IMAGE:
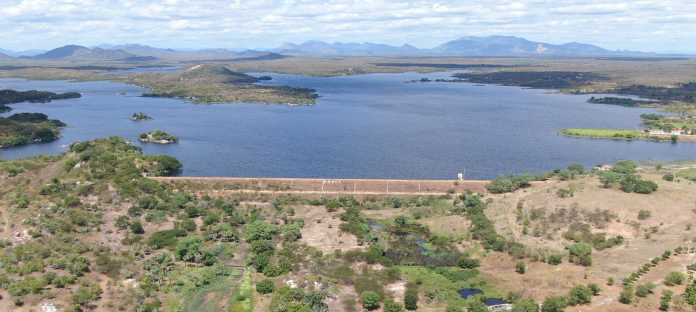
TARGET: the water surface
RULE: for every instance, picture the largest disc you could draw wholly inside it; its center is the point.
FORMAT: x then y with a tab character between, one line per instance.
371	126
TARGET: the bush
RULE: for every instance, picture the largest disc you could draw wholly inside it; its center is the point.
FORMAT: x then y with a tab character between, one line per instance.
468	263
580	249
137	228
391	306
521	267
265	287
556	259
370	300
594	288
411	301
579	295
526	305
675	278
668	177
626	295
554	304
644	290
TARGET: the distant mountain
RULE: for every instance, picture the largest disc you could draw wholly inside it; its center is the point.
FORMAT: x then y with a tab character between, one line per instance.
143	50
319	47
4	57
105	46
18	54
75	52
511	45
465	45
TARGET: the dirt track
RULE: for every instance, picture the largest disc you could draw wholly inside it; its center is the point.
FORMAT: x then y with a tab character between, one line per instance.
333	187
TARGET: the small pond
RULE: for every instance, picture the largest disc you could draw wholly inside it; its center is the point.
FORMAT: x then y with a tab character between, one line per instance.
467	292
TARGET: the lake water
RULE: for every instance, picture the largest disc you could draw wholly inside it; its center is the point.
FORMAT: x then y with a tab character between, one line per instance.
371	126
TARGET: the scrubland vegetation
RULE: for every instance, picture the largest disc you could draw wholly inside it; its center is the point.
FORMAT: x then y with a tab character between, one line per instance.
87	230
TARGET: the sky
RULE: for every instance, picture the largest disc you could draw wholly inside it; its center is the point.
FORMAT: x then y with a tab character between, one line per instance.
663	26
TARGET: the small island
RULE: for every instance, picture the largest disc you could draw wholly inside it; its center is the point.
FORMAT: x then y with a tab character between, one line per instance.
8	96
26	128
158	136
140	117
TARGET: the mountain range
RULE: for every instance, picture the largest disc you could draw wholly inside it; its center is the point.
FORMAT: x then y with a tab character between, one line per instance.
491	45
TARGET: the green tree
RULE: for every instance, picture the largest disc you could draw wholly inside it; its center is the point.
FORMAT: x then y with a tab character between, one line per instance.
411	301
644	290
157	267
260	230
370	300
265	286
675	278
392	306
625	167
400	221
452	308
580	249
594	288
189	225
554	304
188	249
626	295
579	295
609	178
476	305
578	168
565	174
665	299
137	228
468	263
526	305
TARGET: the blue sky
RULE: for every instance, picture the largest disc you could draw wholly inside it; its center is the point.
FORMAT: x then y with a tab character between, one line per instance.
652	25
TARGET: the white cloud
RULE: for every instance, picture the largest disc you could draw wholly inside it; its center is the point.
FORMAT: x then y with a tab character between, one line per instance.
268	23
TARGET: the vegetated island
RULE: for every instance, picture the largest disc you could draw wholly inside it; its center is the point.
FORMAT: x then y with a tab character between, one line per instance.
536	80
628	102
658	128
140	117
25	128
212	83
8	96
158	136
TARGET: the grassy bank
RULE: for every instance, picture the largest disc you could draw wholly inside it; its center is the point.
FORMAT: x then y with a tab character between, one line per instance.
602	134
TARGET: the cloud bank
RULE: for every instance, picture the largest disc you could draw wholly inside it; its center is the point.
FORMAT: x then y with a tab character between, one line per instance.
635	25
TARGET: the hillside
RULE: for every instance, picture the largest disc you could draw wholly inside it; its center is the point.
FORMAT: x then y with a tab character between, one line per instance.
87	230
4	57
213	83
214	73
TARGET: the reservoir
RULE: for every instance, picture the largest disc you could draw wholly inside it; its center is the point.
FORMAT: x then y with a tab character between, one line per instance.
369	126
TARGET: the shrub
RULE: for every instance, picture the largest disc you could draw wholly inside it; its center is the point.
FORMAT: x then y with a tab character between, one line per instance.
526	305
137	228
556	259
626	295
265	286
468	263
594	288
411	301
579	295
644	214
391	306
370	300
521	267
580	249
554	304
675	278
644	290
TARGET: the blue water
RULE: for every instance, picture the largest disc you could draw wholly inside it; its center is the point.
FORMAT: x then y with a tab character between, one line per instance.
371	126
166	69
467	292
